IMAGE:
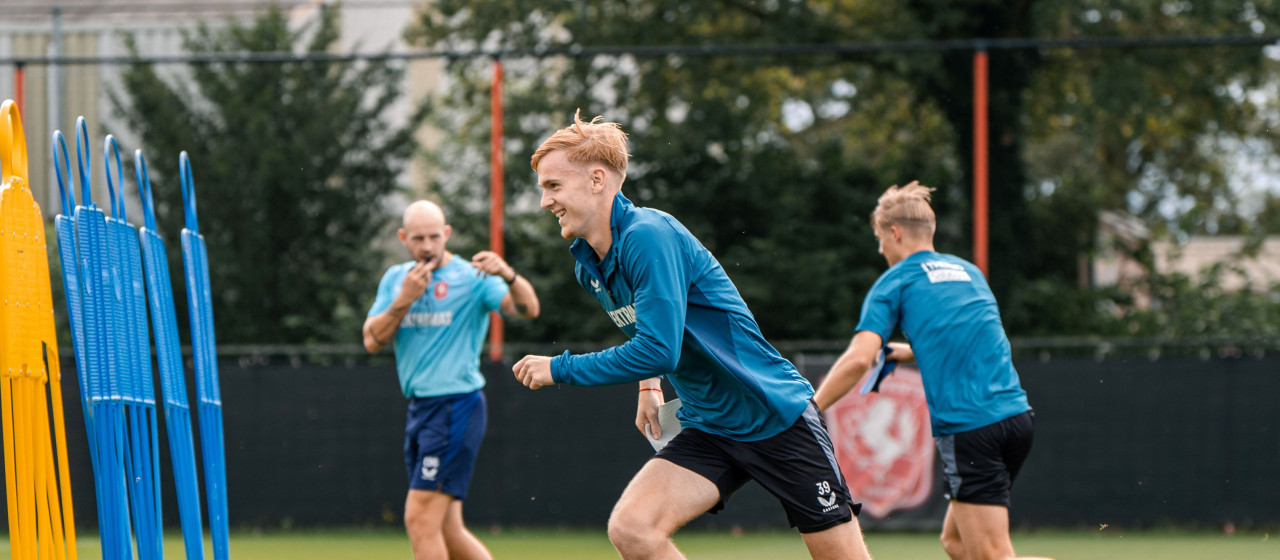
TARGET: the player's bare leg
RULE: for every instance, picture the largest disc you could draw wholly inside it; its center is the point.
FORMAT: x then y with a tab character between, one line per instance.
462	544
952	543
424	514
844	541
660	499
983	531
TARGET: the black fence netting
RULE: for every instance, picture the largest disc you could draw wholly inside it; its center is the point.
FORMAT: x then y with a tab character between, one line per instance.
1130	439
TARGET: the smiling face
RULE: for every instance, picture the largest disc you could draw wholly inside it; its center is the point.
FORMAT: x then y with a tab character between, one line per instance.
576	195
425	233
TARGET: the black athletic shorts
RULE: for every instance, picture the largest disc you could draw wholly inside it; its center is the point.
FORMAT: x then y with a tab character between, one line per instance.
978	466
798	466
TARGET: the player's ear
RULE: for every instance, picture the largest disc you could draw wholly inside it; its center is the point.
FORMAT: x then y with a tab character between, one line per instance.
404	237
597	179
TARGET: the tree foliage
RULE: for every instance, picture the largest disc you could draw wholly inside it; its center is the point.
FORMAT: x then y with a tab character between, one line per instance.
1143	131
783	206
775	161
292	163
1199	307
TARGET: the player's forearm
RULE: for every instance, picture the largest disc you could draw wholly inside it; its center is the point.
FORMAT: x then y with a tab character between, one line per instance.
841	379
902	352
524	298
636	360
381	328
834	387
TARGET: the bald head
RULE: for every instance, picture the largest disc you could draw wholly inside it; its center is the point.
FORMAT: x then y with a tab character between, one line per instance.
423	210
425	234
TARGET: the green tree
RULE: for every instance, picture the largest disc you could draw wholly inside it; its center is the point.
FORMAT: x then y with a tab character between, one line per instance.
1199	307
1269	216
1075	132
292	163
783	205
775	161
1150	131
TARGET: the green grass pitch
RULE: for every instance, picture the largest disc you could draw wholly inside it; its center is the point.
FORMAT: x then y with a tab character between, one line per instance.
540	544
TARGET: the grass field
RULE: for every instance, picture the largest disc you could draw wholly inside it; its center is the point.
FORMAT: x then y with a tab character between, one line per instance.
529	544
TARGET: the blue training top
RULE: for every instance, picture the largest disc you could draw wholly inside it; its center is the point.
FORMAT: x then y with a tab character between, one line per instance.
949	315
687	320
438	343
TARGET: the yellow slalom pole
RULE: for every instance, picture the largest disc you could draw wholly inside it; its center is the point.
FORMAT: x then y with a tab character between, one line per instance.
22	525
65	535
7	376
58	481
10	451
41	516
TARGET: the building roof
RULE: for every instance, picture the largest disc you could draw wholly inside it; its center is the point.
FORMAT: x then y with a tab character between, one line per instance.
76	10
1199	253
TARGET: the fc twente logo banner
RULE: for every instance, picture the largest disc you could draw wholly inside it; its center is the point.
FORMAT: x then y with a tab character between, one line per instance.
884	444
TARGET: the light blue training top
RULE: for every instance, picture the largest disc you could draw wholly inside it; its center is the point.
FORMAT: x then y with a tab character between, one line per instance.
685	319
439	340
947	311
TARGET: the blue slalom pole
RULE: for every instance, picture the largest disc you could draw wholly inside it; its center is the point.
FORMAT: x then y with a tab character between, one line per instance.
200	314
134	382
71	274
173	385
96	290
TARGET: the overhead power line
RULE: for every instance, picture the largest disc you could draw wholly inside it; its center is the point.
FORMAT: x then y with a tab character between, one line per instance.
578	51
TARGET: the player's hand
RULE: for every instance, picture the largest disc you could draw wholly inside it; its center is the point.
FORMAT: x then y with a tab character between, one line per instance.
416	281
647	413
489	262
534	372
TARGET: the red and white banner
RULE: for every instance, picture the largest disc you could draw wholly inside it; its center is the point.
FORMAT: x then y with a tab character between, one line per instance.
884	444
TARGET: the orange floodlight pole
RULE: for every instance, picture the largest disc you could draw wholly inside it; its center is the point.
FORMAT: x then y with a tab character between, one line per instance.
980	160
19	84
496	196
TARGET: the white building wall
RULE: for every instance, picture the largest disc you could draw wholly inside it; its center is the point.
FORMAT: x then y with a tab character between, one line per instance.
95	28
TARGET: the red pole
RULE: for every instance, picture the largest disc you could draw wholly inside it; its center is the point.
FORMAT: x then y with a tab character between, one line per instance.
19	84
980	161
496	195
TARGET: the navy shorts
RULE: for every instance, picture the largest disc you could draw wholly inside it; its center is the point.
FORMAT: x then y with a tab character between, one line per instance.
441	439
797	466
978	466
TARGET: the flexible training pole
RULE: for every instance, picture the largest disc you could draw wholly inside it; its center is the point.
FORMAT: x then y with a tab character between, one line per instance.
41	521
173	385
200	313
65	227
133	380
91	295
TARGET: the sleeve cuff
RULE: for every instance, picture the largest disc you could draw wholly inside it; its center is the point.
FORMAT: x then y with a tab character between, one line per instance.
558	365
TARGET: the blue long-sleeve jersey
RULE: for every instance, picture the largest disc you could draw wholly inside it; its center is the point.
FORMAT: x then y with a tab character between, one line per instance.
687	321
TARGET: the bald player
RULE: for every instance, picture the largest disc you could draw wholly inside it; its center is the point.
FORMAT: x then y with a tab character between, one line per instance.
435	308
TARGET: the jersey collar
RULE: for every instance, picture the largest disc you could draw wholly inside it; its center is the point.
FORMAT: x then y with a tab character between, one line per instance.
586	256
